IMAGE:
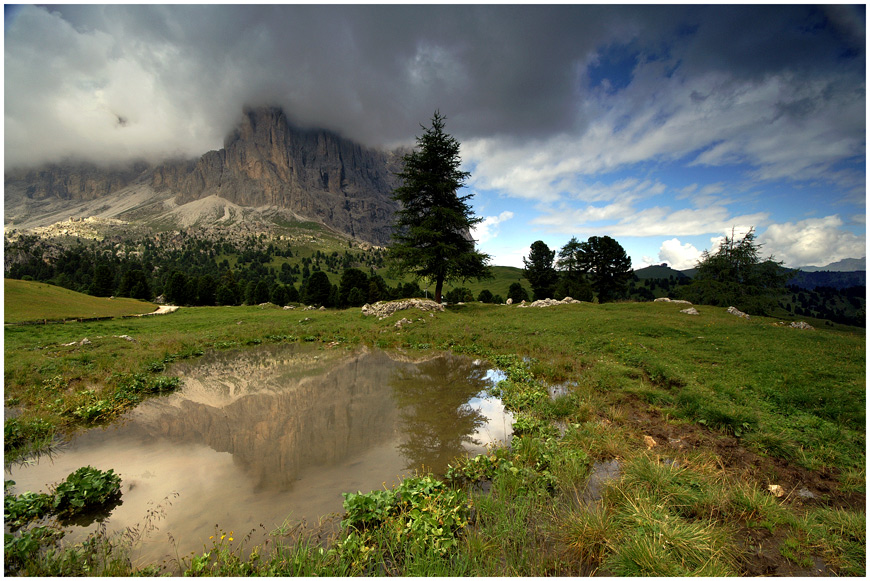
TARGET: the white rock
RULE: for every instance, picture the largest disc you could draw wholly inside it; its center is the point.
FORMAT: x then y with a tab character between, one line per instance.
382	309
737	313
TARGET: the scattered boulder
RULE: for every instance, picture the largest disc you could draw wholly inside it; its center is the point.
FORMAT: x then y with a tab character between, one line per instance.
691	311
401	323
382	309
85	341
667	300
551	302
288	307
737	313
126	338
801	325
509	302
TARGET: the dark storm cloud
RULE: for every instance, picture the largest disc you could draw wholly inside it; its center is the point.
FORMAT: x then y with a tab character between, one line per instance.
180	75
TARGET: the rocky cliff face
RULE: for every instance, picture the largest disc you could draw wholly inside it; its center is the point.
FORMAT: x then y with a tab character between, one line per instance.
67	181
265	162
316	174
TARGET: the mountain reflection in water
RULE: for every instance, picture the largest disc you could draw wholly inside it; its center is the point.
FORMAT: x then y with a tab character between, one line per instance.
257	435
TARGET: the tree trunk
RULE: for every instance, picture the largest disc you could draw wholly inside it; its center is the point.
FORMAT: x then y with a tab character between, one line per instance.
439	284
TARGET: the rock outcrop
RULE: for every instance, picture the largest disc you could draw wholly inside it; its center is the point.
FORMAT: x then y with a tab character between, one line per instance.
382	309
550	303
737	312
667	300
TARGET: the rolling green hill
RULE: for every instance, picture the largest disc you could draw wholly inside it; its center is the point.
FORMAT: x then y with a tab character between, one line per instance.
657	271
35	301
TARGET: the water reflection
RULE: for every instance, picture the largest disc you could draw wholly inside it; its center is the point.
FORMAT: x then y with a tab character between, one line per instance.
433	400
257	435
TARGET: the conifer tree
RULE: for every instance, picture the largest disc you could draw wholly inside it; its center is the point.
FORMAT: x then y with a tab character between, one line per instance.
539	270
432	238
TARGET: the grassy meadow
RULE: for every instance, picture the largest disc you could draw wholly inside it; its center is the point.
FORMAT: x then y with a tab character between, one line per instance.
697	416
25	301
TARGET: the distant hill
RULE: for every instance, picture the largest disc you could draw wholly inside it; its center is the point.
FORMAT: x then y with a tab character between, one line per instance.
658	271
838	280
35	301
845	265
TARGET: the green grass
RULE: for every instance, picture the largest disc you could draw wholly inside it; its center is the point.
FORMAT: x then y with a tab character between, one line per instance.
796	396
26	301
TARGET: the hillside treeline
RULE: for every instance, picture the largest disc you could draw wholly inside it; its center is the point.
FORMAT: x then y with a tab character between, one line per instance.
199	272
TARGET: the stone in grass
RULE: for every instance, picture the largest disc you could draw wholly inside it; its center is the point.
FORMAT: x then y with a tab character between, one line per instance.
737	313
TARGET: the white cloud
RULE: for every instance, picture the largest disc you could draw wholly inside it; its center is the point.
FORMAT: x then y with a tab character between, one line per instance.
488	229
679	256
812	242
624	219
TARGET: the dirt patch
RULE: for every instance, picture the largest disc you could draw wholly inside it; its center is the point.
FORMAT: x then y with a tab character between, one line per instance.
801	485
761	556
760	547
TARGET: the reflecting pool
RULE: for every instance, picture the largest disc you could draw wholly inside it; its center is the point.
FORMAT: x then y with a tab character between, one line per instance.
258	436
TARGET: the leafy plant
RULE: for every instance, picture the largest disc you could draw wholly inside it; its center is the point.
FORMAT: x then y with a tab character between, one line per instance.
422	513
86	488
21	509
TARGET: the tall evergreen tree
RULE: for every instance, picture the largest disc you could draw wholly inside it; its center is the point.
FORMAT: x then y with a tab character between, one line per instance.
352	278
572	282
318	289
431	238
104	281
608	267
539	270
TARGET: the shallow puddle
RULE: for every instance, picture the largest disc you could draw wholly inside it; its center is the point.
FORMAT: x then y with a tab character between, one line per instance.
258	436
